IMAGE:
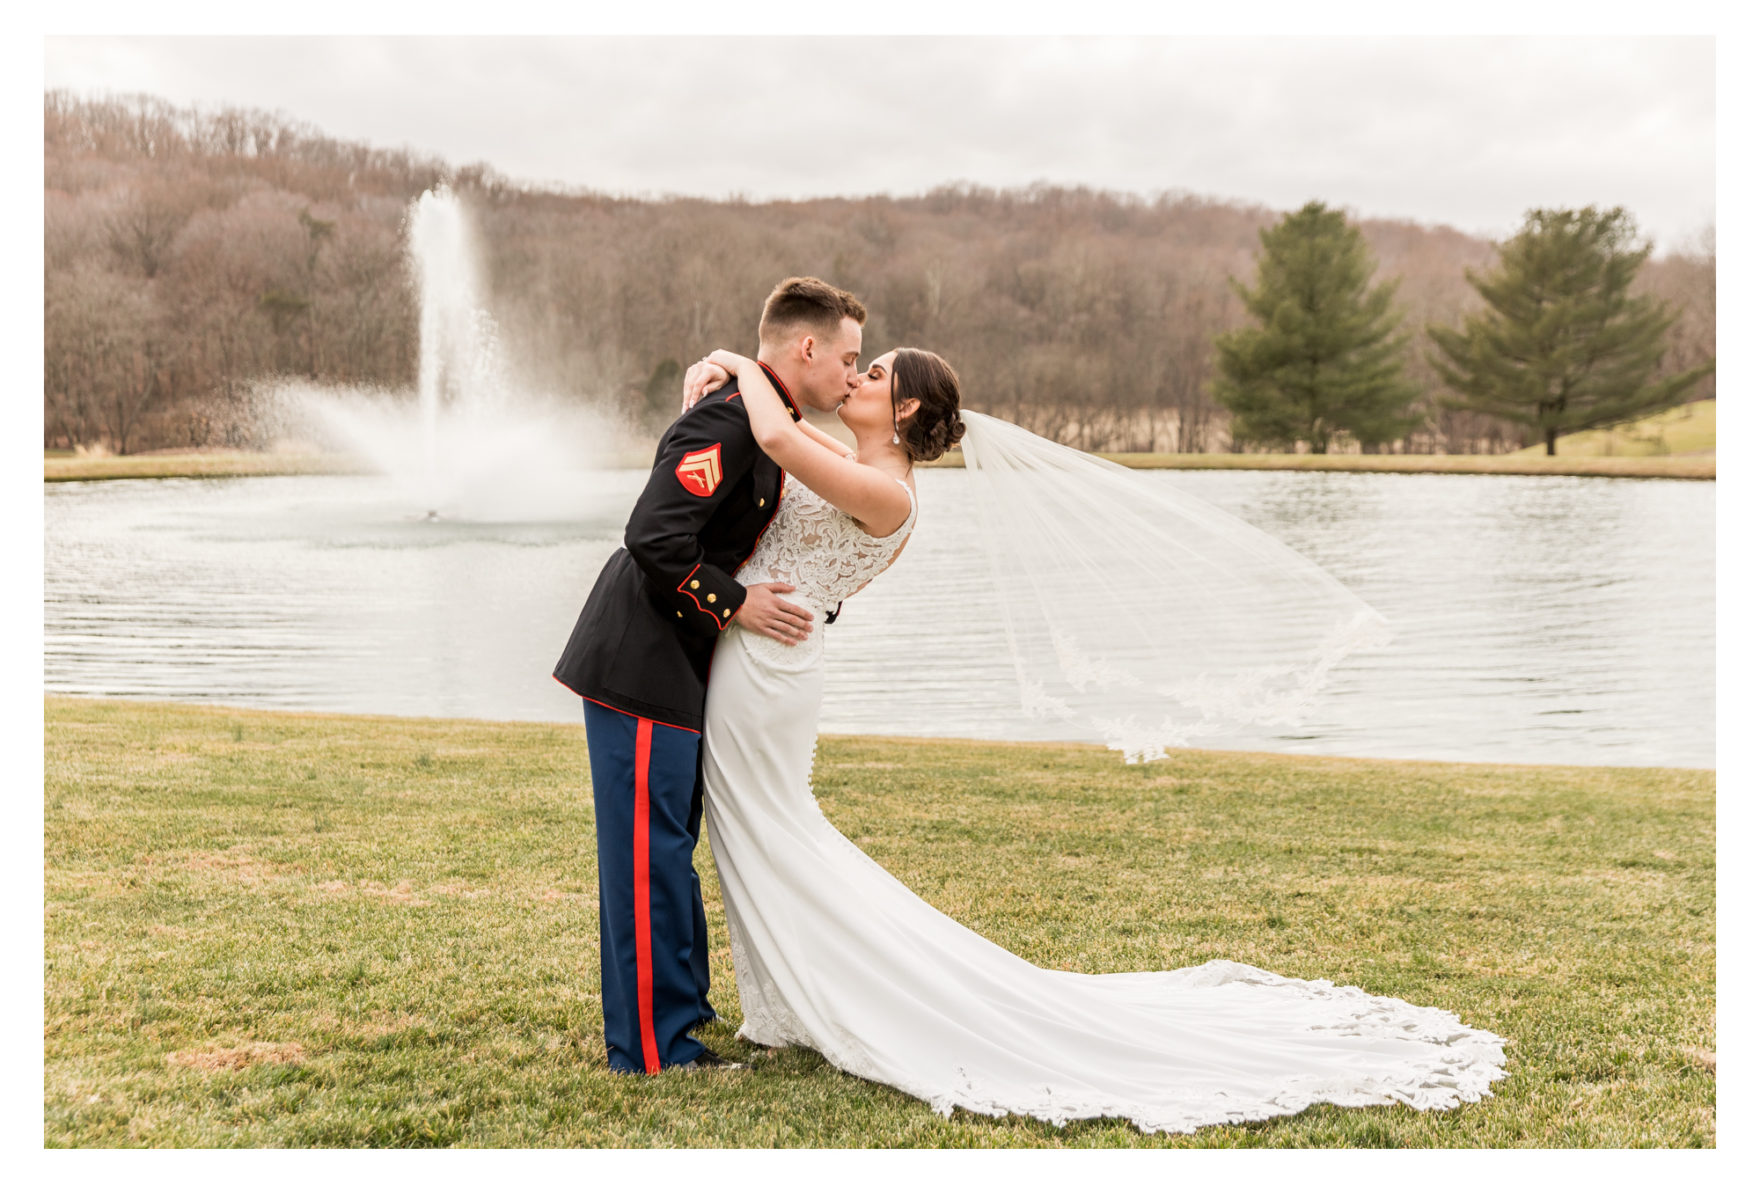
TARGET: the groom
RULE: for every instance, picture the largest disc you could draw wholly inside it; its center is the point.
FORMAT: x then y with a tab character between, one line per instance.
639	658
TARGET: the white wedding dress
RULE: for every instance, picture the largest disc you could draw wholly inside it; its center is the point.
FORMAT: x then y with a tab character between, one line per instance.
831	952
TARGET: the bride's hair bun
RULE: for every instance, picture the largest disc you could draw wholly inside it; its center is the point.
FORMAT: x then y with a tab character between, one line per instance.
935	427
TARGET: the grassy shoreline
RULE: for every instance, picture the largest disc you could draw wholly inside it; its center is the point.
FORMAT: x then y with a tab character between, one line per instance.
1595	466
237	464
268	928
1659	467
194	464
1684	430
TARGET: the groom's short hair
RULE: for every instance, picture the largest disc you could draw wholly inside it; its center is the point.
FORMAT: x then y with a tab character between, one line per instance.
810	303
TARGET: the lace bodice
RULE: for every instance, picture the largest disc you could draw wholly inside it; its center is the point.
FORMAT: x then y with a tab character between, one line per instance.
820	550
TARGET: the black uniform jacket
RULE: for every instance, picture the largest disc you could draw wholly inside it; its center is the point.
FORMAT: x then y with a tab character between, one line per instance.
645	637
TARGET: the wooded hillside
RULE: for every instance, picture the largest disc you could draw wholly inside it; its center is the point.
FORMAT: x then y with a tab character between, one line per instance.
190	256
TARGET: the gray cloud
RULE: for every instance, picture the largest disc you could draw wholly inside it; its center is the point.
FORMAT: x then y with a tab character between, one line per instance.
1466	131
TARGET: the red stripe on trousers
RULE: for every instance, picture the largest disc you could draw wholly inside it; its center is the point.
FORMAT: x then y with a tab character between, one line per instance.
644	932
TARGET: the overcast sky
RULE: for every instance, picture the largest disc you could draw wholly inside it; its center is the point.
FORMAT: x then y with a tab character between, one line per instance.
1464	131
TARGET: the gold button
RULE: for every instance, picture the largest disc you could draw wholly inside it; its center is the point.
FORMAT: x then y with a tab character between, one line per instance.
695	584
711	599
681	613
725	612
760	503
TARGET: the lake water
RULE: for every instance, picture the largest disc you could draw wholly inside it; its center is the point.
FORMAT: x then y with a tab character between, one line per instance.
1562	620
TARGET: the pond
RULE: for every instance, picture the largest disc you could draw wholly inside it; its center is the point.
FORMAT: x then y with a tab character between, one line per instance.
1537	619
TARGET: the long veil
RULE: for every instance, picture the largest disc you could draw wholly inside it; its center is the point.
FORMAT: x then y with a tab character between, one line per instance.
1141	613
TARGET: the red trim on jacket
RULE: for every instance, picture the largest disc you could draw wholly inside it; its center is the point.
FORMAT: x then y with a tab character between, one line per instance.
644	925
787	397
720	622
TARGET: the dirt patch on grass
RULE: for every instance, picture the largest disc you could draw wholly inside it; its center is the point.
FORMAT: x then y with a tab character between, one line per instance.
1699	1057
231	865
401	893
233	1059
554	896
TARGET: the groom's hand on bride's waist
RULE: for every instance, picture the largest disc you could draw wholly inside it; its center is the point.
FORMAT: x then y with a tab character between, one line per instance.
767	614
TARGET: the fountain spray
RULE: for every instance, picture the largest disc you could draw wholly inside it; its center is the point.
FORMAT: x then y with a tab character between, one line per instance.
469	433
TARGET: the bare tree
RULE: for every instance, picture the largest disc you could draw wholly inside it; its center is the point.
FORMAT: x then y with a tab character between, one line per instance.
220	248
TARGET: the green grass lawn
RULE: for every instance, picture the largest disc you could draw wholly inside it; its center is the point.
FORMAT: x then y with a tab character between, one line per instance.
1665	466
278	929
60	466
1627	466
1686	430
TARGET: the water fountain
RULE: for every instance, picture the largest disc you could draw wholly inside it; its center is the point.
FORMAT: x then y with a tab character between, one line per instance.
471	443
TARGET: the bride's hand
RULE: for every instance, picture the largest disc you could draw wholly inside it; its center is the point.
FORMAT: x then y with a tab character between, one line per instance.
701	379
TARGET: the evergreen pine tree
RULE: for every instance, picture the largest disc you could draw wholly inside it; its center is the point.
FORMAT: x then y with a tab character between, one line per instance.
1326	357
1561	346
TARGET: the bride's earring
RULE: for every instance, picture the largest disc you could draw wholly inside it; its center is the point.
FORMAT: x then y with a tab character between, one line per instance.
895	433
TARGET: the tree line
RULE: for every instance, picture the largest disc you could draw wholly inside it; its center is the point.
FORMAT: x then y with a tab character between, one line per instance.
190	256
1562	342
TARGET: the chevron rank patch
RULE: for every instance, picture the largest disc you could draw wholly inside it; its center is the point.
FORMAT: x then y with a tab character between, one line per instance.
700	471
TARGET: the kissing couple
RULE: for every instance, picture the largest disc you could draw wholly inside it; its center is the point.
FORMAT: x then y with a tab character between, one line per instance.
700	659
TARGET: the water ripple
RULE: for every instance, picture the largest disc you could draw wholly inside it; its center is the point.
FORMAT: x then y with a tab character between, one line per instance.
1537	619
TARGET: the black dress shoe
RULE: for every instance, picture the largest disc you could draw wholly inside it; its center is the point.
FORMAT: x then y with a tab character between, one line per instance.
709	1061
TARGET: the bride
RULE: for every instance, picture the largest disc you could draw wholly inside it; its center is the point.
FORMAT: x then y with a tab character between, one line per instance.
831	952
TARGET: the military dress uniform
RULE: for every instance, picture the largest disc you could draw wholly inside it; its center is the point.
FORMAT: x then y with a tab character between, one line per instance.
639	658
